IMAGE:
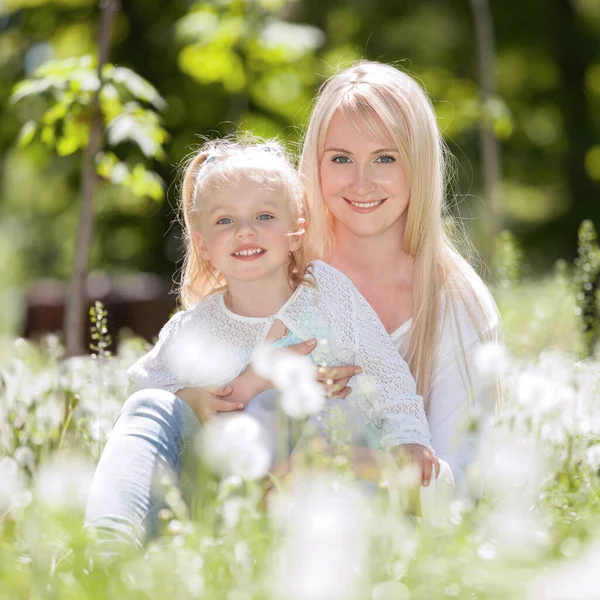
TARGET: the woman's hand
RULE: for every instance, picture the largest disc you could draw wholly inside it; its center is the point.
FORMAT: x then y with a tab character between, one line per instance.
422	457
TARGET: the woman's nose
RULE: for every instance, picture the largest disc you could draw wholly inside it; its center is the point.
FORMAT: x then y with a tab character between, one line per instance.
362	182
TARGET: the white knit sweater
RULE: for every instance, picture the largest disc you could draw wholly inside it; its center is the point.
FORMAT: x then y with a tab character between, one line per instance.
210	345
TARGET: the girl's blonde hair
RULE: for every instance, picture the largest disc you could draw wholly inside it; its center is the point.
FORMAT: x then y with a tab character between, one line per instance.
387	103
226	163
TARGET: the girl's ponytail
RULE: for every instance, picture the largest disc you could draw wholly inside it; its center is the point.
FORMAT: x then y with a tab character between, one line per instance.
198	275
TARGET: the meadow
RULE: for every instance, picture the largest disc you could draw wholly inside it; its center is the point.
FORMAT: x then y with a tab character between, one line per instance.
535	534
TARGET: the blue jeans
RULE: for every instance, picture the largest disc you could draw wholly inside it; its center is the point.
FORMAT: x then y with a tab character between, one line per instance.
152	438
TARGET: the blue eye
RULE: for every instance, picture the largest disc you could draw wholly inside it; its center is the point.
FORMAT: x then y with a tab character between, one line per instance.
341	160
265	217
386	159
224	221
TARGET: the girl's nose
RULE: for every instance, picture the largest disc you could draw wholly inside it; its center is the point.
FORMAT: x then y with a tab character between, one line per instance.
245	229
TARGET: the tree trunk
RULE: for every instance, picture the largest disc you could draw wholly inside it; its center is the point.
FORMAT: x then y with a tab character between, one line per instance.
76	304
490	148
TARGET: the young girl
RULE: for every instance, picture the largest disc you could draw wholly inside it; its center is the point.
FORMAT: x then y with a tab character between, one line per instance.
247	282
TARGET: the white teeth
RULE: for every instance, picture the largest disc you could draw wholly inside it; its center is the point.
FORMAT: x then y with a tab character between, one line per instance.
366	204
251	252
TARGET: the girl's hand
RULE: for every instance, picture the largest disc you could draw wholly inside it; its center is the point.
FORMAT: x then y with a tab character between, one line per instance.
206	401
420	456
333	379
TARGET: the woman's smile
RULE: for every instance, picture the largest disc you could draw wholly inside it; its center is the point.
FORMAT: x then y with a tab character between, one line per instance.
362	206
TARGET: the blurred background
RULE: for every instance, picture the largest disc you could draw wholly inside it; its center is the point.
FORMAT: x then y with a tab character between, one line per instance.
527	73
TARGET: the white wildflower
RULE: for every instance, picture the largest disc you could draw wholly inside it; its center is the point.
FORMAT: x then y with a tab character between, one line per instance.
12	483
63	483
295	377
390	590
25	457
235	445
491	360
198	359
574	581
323	551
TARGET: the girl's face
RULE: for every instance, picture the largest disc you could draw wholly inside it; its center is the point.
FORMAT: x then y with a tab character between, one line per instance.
363	181
244	232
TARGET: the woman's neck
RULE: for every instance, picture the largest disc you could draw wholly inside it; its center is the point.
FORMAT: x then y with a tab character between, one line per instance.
378	258
261	298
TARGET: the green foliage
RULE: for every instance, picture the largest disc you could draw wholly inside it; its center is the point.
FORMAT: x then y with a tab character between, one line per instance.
251	52
128	105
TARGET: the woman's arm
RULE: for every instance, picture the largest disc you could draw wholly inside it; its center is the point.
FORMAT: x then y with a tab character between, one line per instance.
461	406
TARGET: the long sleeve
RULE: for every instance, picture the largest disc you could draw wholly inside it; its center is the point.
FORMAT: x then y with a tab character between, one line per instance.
194	349
399	413
461	402
355	334
156	369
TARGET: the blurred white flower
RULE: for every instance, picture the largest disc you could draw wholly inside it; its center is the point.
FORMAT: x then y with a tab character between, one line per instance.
365	385
390	590
235	445
49	414
577	581
25	457
491	360
295	377
515	532
196	359
63	483
325	538
12	483
510	468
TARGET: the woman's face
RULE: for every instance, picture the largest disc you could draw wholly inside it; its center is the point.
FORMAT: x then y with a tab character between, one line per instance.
363	181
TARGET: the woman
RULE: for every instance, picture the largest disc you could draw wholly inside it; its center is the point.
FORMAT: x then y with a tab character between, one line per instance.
373	160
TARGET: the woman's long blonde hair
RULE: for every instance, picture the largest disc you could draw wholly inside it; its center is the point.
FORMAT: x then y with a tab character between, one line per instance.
226	163
385	102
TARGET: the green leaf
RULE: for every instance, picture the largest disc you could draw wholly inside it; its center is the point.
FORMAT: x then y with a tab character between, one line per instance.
145	183
27	133
55	113
48	135
137	86
197	26
75	135
212	64
32	87
142	127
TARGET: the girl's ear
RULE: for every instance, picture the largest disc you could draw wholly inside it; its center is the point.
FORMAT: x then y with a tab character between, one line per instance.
297	236
201	245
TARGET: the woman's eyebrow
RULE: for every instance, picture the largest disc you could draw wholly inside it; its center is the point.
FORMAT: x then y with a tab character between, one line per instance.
344	151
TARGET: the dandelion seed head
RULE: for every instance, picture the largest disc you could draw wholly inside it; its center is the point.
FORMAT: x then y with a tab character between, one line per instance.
236	445
63	484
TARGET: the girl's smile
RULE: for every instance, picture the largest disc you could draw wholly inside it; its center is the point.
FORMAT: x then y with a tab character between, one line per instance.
248	252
